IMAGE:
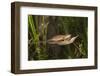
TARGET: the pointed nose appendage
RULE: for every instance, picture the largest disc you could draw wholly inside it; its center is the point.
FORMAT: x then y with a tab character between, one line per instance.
73	39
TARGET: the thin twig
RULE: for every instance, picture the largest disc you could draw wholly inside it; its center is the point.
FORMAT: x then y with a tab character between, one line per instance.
76	47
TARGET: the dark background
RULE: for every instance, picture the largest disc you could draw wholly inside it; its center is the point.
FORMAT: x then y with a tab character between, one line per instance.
42	28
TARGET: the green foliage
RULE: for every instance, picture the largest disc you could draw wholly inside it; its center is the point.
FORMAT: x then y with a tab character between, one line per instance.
42	28
35	36
35	51
75	26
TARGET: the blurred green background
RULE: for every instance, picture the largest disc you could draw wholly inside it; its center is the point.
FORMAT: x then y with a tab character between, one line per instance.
42	28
